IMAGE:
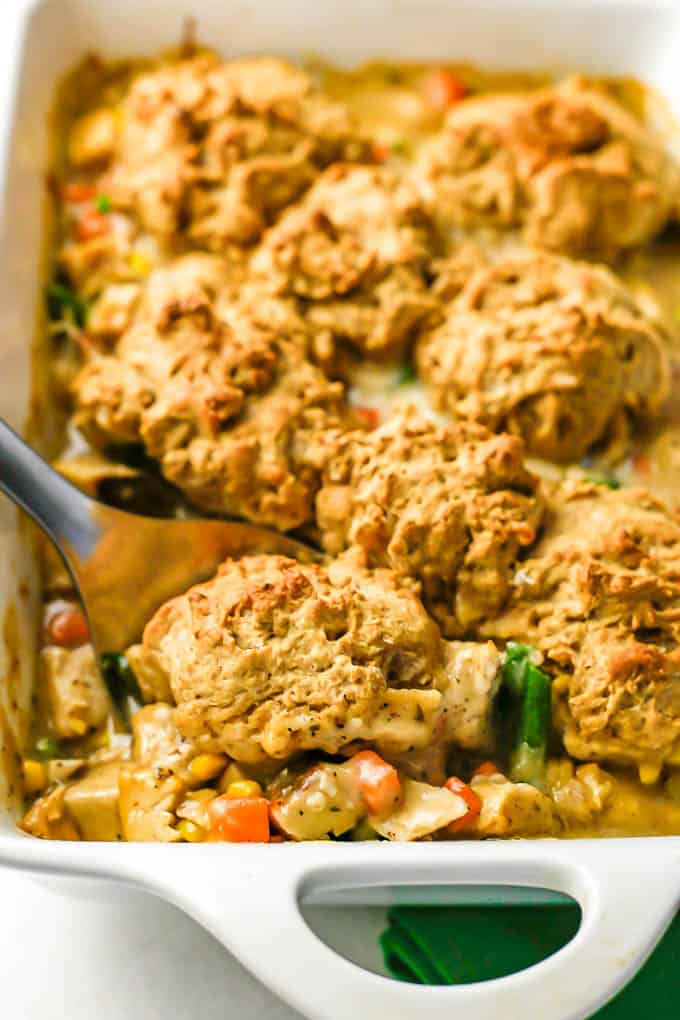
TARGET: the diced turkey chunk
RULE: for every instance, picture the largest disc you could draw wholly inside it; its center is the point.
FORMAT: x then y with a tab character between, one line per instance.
48	818
511	809
474	672
451	506
555	351
60	770
79	700
156	782
579	793
567	163
222	146
149	797
325	800
355	249
92	138
465	715
93	802
598	597
423	811
273	657
194	807
151	677
156	739
112	312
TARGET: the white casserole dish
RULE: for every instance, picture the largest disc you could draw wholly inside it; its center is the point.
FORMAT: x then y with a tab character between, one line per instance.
248	896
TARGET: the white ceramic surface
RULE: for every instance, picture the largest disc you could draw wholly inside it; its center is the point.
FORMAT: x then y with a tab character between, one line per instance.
248	897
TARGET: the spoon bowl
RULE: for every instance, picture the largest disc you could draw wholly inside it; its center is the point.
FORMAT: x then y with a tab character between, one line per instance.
125	565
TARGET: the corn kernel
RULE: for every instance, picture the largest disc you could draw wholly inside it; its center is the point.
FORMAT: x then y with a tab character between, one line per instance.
191	832
139	263
245	788
35	775
232	774
649	773
207	766
78	727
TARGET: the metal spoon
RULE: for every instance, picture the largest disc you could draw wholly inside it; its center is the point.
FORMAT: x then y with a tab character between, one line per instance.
124	566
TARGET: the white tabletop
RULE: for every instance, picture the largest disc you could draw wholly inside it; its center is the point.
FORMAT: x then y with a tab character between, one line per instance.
136	959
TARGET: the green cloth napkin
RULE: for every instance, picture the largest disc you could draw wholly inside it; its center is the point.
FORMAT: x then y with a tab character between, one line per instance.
454	945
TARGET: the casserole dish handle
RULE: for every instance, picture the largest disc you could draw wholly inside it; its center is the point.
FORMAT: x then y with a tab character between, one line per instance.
249	898
628	894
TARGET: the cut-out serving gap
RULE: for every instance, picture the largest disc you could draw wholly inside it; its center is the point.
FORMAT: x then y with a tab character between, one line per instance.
444	934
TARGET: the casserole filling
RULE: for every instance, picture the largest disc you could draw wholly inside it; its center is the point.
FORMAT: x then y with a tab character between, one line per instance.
421	316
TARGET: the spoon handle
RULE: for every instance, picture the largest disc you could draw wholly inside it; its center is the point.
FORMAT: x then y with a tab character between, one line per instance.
55	505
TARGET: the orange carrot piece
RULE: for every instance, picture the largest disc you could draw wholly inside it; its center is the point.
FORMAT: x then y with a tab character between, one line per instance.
378	782
239	819
78	192
68	628
371	415
442	89
474	804
92	224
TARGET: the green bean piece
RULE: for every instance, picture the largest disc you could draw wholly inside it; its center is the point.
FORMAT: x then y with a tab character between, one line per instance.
528	766
517	658
528	759
406	374
603	478
363	831
121	681
103	204
47	747
535	715
63	302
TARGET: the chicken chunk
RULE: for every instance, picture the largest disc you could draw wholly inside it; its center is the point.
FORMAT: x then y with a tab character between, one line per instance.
156	739
273	657
93	802
423	811
355	251
511	809
79	700
223	145
323	800
47	818
450	506
567	163
148	801
474	671
552	350
220	392
580	794
598	597
155	783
